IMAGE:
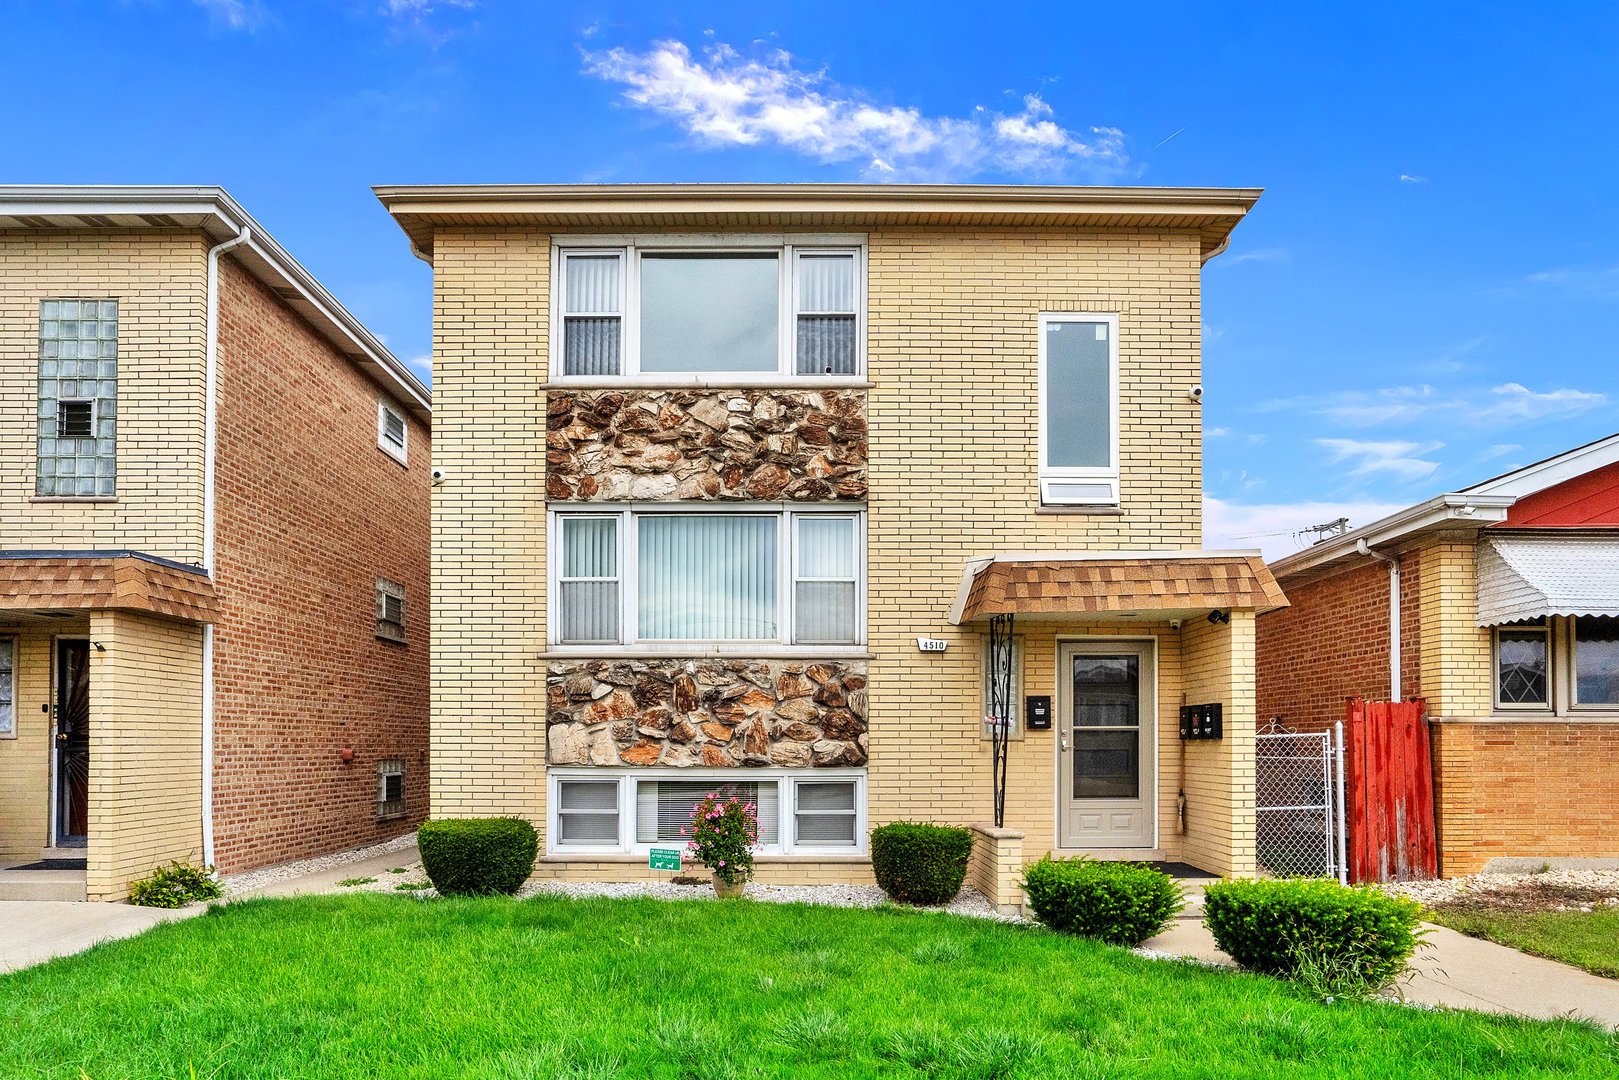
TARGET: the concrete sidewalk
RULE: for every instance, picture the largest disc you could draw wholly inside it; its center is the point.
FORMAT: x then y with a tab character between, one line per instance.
33	931
1454	971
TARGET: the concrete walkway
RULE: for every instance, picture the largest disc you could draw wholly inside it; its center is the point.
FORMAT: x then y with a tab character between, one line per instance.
1454	971
33	931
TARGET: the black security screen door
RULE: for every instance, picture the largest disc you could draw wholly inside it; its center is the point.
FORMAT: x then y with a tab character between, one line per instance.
72	743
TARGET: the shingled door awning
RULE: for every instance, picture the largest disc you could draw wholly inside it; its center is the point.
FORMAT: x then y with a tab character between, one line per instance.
1180	583
119	580
1531	577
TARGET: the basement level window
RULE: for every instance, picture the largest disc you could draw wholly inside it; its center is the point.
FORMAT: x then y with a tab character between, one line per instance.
390	788
390	610
393	433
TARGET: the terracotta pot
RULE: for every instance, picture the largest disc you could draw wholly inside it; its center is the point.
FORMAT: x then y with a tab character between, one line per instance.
728	890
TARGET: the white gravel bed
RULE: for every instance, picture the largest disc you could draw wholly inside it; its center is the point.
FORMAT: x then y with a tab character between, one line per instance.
1438	892
270	875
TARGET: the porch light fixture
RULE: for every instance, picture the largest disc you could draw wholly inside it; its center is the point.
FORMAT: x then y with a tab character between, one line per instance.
99	647
1216	617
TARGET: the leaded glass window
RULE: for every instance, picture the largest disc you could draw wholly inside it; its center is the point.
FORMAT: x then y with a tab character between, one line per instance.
78	398
1521	655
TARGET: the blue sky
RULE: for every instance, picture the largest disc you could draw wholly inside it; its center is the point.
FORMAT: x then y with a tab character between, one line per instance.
1425	296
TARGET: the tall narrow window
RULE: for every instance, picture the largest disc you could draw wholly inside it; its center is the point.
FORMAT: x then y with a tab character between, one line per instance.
1596	660
826	314
707	577
393	432
1521	667
824	581
710	312
8	688
589	579
390	788
1079	405
1014	699
390	610
78	398
593	313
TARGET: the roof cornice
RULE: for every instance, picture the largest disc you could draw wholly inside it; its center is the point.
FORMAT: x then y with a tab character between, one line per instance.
1212	212
211	210
1453	511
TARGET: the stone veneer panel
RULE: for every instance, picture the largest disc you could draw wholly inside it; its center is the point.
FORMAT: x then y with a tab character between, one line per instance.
715	713
758	445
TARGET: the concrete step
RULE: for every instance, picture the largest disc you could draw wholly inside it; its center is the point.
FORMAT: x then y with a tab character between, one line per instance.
41	884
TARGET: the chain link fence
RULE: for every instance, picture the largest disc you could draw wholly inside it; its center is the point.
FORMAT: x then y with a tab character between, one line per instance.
1298	802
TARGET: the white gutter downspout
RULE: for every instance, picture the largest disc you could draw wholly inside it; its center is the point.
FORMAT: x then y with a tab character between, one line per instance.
210	425
1394	615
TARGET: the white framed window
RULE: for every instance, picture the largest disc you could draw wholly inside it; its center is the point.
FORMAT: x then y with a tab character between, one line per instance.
8	688
664	576
659	308
390	788
1014	703
826	814
393	432
1523	671
1079	409
390	610
601	811
1595	668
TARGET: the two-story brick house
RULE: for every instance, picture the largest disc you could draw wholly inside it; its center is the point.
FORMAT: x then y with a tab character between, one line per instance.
737	477
214	491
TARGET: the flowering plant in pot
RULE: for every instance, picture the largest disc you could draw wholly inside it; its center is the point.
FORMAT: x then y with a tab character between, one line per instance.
723	831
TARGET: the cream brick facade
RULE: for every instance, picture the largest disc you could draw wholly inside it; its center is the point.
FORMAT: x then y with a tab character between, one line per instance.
952	347
160	281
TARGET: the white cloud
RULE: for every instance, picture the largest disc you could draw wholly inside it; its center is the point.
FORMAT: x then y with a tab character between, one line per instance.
1216	432
1598	282
235	14
1495	405
1264	255
1409	178
724	99
1501	449
416	10
1274	528
1393	457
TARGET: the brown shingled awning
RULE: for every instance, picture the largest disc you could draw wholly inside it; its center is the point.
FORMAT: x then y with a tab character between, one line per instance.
126	581
1180	582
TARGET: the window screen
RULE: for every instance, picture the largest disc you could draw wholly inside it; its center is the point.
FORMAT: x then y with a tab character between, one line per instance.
587	813
826	314
824	814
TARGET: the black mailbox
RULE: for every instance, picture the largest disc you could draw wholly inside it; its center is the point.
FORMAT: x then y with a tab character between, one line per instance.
1037	713
1203	721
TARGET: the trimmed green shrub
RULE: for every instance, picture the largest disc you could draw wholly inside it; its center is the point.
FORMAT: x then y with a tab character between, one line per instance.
1341	940
916	863
175	885
477	856
1121	903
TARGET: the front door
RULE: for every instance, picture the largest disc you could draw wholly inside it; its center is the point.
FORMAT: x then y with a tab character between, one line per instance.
1105	745
72	742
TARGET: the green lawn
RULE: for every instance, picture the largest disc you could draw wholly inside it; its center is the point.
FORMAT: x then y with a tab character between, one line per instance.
1587	939
392	986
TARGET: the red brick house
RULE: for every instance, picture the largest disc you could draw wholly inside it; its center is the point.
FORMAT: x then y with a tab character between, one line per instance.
214	487
1506	622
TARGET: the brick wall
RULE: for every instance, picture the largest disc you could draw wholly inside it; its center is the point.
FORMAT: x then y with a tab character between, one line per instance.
145	805
952	350
1529	789
310	512
160	282
1333	643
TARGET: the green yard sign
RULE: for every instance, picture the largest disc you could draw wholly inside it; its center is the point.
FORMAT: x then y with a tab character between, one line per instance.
662	858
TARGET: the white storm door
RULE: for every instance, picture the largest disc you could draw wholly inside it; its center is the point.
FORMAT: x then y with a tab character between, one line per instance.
1106	748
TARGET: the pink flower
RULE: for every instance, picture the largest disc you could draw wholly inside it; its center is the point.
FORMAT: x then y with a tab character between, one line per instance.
722	862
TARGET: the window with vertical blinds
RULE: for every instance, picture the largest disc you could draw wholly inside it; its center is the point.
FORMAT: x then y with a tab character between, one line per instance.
742	309
663	808
707	577
630	577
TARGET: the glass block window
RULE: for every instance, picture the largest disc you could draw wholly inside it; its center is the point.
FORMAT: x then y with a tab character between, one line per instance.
1521	665
390	610
390	788
78	398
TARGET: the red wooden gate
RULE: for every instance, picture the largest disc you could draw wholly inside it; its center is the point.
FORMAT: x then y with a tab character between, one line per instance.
1390	791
